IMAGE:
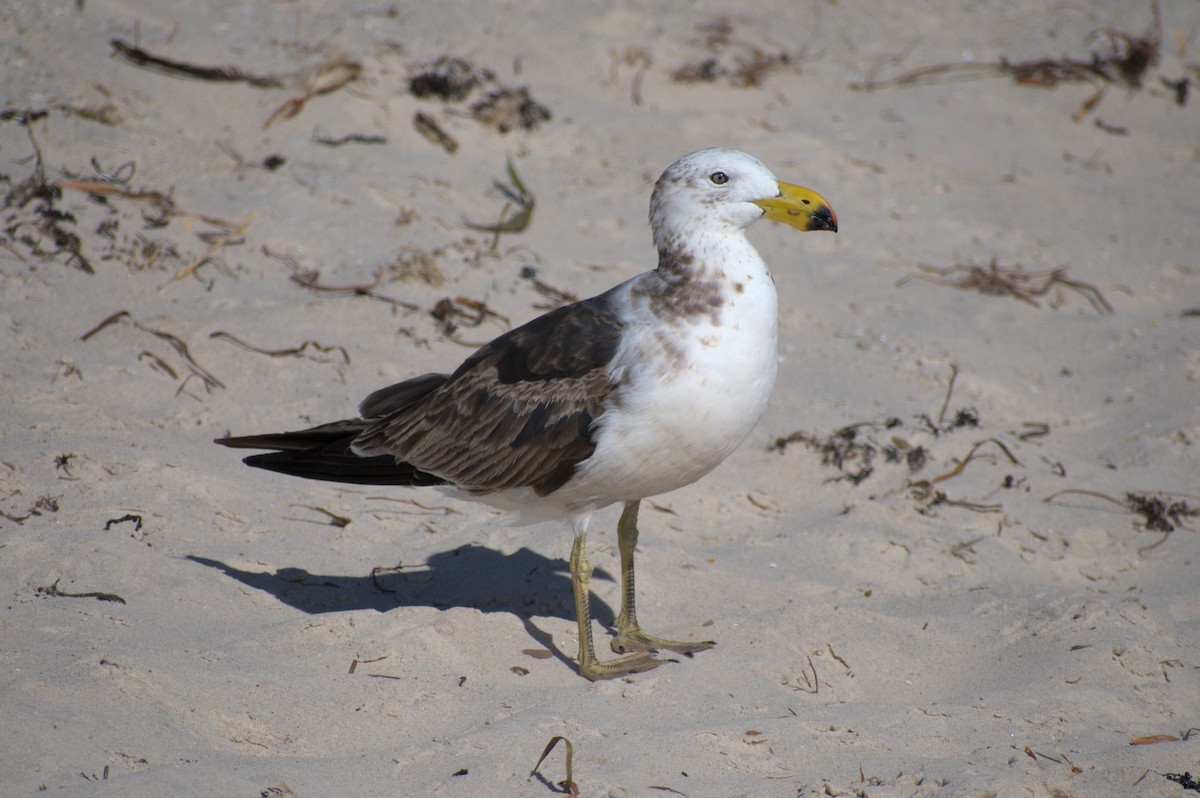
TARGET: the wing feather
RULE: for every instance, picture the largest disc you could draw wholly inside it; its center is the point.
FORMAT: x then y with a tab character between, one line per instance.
517	413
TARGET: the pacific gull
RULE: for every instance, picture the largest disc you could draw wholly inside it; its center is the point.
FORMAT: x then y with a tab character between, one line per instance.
635	392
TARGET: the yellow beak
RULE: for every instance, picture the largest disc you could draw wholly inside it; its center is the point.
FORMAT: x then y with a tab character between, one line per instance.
799	207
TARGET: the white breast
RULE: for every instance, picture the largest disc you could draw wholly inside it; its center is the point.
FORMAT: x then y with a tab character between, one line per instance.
692	391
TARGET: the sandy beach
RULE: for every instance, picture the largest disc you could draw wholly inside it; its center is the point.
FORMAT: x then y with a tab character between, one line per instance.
957	557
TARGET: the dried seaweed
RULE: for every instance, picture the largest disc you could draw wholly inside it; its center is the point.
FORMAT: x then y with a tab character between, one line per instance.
556	297
23	115
1180	89
48	504
750	66
843	450
116	185
106	114
296	351
136	520
506	109
447	79
450	80
641	60
349	138
926	494
1116	58
1160	511
44	228
515	194
33	227
428	127
414	264
114	189
1184	780
450	313
748	70
63	463
855	451
322	79
1014	281
311	279
181	69
568	785
339	521
210	382
236	235
52	590
914	458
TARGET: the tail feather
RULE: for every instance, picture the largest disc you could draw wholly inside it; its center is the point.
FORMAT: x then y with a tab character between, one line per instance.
299	440
318	464
324	453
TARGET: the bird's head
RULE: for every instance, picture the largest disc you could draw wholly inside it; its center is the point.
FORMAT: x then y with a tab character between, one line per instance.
721	187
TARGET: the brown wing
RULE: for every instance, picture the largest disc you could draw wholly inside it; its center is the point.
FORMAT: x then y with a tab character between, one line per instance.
517	413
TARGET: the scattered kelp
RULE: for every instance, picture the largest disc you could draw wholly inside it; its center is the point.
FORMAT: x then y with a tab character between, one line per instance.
428	127
451	80
640	60
305	349
124	317
448	79
506	109
1116	58
1013	281
39	227
567	785
324	78
518	199
1159	511
737	61
858	451
34	217
555	297
54	592
182	69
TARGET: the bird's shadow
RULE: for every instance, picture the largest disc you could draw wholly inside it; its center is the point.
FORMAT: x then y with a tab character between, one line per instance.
524	583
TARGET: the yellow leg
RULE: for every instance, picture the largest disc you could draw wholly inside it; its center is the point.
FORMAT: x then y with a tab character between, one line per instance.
630	636
589	667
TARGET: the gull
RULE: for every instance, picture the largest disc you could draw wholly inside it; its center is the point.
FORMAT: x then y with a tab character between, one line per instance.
633	393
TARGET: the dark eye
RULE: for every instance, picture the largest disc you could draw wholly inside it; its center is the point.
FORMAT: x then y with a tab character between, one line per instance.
720	178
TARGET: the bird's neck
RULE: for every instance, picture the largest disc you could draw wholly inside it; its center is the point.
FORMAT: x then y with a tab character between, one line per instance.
707	277
707	257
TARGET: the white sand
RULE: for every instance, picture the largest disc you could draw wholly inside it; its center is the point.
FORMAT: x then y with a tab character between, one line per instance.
946	643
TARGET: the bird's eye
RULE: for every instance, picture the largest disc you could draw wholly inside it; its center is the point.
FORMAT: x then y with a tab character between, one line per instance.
720	178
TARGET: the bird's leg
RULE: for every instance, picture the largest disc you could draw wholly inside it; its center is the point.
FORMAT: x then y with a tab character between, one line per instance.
630	636
589	667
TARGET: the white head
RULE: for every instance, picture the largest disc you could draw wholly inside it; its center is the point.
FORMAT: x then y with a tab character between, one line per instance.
724	190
